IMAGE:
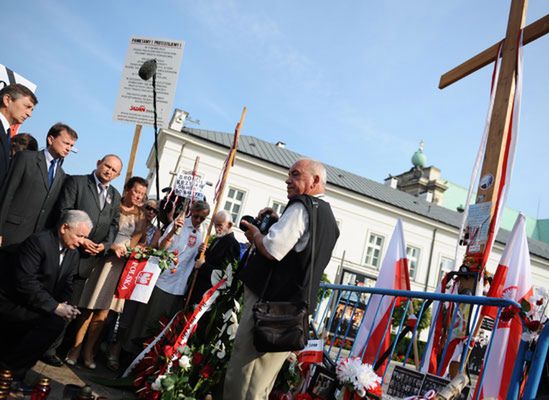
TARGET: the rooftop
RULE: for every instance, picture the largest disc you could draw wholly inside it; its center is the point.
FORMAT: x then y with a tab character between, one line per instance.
283	157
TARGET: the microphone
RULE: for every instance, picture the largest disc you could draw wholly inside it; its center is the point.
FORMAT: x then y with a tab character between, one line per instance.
147	70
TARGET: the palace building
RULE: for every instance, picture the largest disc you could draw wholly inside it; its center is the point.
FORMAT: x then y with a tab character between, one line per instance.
366	211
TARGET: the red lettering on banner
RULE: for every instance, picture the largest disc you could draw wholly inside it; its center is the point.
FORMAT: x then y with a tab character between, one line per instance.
138	108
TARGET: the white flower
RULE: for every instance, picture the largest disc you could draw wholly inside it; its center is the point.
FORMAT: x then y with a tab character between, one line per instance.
220	348
236	306
157	384
231	330
360	376
184	362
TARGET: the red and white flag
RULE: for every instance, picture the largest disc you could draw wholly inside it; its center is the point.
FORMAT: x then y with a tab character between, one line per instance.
373	337
515	283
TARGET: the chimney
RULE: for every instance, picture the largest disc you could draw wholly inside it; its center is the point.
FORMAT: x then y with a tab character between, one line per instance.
280	145
392	182
178	120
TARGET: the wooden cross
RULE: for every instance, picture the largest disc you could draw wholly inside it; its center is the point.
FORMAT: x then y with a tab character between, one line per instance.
503	101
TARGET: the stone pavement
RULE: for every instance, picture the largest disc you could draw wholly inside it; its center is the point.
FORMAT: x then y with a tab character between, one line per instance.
77	375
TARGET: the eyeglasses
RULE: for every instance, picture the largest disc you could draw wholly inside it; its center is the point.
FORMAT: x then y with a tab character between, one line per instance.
151	208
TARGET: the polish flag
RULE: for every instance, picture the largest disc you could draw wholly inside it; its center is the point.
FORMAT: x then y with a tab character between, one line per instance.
373	337
515	283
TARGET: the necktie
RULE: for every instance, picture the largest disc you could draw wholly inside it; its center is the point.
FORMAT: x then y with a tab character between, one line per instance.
51	172
102	195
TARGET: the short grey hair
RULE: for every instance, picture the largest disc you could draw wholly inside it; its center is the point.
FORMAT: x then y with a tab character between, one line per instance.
75	217
224	216
200	205
316	168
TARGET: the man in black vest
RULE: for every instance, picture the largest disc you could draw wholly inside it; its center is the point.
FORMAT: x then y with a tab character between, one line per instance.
286	250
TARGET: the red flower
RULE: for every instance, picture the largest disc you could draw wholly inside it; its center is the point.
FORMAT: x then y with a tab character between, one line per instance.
206	372
508	313
303	396
198	358
539	302
532	325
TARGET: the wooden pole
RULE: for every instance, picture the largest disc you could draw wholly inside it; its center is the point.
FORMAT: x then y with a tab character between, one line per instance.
230	162
135	145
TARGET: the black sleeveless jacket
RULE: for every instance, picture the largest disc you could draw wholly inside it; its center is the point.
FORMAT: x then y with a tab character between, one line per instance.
290	277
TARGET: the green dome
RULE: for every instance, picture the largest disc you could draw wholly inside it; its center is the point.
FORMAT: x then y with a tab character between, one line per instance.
419	159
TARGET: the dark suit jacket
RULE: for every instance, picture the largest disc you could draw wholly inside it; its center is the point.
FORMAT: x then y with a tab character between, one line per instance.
33	282
26	200
80	193
4	153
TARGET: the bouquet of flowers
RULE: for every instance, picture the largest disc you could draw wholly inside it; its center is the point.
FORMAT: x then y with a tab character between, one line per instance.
195	369
358	377
166	259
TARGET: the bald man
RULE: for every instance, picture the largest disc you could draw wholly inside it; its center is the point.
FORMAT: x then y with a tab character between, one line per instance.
286	252
224	249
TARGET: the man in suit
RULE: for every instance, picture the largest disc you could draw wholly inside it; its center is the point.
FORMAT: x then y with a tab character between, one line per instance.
16	105
33	184
36	289
223	249
95	195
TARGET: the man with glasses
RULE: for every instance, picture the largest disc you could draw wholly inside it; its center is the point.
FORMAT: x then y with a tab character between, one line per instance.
185	236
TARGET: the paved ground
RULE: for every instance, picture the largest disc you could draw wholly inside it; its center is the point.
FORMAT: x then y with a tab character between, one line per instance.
77	375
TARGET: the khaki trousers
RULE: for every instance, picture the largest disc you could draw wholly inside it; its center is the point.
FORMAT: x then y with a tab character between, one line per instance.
250	375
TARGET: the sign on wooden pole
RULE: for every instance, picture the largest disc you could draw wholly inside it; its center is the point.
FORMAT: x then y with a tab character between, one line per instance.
133	152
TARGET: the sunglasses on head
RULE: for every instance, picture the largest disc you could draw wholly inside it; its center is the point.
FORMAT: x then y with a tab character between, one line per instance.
151	208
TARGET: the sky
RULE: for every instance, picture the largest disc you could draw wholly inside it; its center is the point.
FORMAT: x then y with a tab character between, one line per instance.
353	84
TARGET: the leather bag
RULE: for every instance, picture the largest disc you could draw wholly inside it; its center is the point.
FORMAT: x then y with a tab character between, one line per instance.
284	325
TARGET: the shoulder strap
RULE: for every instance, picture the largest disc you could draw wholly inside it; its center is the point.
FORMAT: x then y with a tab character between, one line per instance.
312	232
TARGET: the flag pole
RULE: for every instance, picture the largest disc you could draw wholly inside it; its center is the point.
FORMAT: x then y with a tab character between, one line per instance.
230	162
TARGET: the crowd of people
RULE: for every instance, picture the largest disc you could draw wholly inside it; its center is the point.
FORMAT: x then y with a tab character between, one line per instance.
65	239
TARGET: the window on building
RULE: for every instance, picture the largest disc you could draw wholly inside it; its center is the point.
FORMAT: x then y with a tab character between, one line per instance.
446	265
412	253
233	203
278	207
374	249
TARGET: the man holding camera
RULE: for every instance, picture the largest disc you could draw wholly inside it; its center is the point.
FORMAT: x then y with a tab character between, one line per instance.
286	251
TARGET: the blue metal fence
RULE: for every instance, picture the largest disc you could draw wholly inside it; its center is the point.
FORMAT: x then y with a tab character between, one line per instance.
339	316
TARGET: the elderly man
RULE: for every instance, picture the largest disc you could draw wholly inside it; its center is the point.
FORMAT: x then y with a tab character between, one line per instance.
36	289
33	184
16	105
223	249
95	195
286	251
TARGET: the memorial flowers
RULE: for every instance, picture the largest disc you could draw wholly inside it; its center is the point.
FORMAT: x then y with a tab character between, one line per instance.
358	377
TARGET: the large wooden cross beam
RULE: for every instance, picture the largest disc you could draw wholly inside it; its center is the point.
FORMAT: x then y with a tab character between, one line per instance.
494	157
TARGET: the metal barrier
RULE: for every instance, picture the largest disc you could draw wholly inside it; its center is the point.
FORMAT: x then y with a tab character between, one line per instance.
339	317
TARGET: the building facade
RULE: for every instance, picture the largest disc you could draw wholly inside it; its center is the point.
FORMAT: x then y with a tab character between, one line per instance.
366	211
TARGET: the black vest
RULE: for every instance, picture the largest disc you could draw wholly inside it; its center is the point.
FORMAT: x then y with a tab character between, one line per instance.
290	275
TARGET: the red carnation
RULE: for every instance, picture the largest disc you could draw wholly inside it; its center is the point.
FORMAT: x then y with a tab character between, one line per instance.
532	325
175	252
206	372
539	302
198	358
508	313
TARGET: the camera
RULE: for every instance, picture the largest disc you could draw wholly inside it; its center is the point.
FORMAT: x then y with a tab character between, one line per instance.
263	223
